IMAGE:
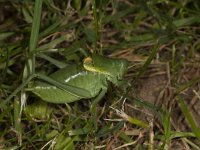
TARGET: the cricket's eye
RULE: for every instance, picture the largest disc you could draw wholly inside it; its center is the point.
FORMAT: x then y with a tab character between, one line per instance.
88	61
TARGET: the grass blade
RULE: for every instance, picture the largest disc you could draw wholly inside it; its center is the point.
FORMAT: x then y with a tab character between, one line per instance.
30	66
35	25
17	90
50	45
57	63
148	62
189	117
3	36
17	120
96	24
71	89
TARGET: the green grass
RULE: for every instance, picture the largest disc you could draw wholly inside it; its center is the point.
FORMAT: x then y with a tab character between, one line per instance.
39	37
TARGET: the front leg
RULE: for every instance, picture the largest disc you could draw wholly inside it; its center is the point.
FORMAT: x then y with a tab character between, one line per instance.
93	106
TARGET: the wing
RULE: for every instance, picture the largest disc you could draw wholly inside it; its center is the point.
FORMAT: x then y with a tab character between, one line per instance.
74	75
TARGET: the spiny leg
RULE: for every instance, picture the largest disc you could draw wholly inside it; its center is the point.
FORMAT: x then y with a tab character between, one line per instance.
93	106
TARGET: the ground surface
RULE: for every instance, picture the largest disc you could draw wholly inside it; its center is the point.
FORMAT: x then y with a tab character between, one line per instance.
159	38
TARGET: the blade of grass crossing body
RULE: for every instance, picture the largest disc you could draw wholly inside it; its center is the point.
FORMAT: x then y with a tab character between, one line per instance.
73	90
68	88
189	117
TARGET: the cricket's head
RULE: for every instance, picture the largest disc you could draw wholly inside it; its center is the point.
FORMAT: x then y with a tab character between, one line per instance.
113	68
